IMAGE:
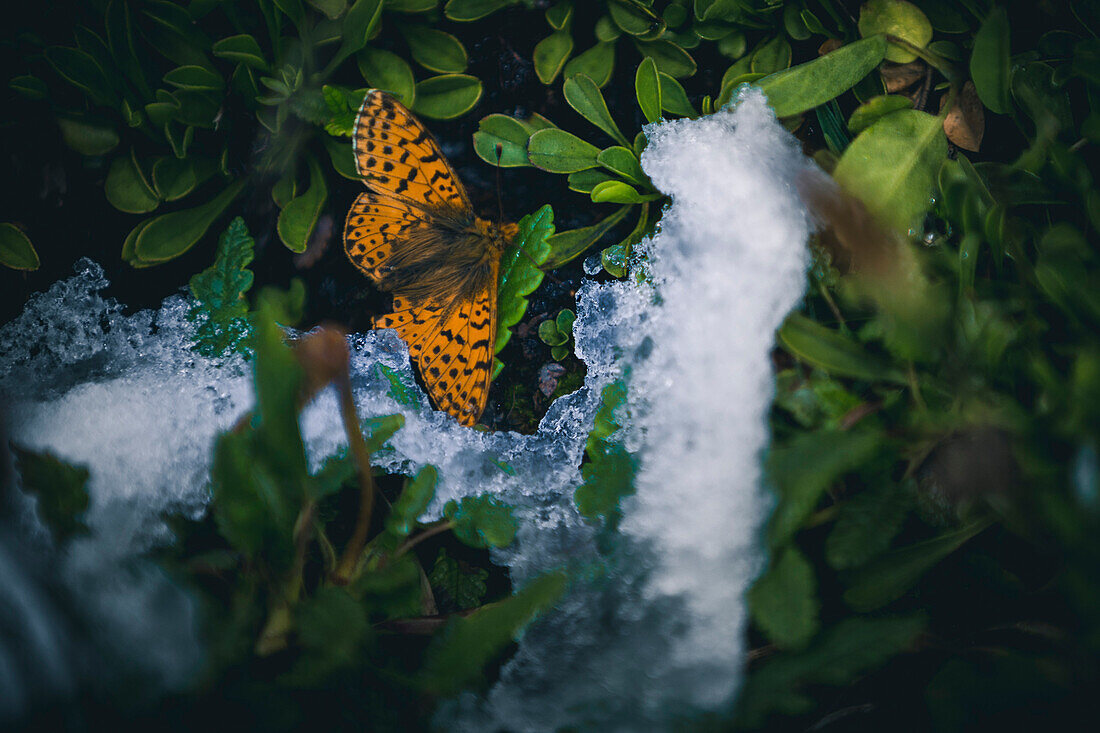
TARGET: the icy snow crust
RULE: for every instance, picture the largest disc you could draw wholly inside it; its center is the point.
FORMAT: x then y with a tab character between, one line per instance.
652	626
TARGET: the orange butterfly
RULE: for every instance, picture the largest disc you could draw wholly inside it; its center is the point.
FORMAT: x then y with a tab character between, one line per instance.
415	235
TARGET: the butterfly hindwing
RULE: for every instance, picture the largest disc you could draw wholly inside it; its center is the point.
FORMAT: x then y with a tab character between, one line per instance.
397	156
374	223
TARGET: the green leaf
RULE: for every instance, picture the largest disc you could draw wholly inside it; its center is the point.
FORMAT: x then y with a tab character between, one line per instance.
299	217
891	166
331	628
412	502
411	6
837	657
674	99
568	245
670	58
87	138
127	188
605	479
584	96
635	18
814	83
463	11
170	235
559	15
389	72
331	8
895	18
448	96
584	181
550	335
647	87
889	577
507	132
989	62
606	30
196	78
457	656
804	467
243	49
481	521
519	272
834	353
617	192
772	56
174	178
60	488
558	151
464	588
219	309
870	111
550	55
435	50
29	86
868	522
82	71
623	162
783	601
358	25
342	157
597	63
16	250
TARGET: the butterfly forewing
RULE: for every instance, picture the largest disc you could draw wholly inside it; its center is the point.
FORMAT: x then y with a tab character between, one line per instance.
450	335
397	156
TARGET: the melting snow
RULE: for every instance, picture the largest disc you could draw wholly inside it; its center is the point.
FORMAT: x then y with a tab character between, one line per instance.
653	626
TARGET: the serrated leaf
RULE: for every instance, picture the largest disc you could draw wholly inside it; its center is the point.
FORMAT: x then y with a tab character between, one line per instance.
783	601
219	309
519	271
481	521
61	490
465	588
466	645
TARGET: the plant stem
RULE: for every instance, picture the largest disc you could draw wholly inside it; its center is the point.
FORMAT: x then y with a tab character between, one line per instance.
430	532
357	446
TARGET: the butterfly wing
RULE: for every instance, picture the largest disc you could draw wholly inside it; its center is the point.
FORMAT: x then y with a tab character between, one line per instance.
374	223
453	347
397	156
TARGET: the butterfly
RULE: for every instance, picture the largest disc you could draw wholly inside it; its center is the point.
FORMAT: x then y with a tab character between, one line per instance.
415	235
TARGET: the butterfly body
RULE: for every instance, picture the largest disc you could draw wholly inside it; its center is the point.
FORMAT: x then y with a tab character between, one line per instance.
415	235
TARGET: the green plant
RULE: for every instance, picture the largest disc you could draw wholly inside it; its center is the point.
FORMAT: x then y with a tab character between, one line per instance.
557	333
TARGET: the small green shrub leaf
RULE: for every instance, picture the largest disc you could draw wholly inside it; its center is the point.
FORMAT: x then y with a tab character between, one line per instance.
870	111
126	186
195	78
772	56
623	162
389	72
87	138
170	235
634	18
647	87
897	18
568	245
242	49
412	502
584	96
435	50
892	166
299	216
550	55
670	58
673	97
803	87
465	588
618	192
832	352
507	132
558	151
16	250
464	11
989	62
447	96
597	63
